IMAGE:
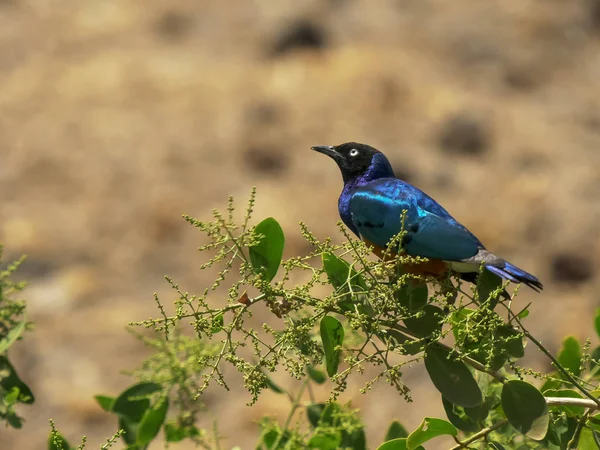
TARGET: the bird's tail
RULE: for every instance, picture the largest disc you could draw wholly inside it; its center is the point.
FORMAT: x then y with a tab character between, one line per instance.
516	275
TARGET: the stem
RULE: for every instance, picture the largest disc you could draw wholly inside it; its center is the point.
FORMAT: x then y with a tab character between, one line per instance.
575	439
483	433
217	437
466	359
311	394
295	406
562	369
555	362
565	401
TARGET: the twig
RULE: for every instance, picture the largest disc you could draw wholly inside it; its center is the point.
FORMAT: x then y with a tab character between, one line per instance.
466	359
555	362
575	439
483	433
568	401
295	406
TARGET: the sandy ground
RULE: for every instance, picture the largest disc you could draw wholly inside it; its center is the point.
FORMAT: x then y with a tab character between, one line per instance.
117	116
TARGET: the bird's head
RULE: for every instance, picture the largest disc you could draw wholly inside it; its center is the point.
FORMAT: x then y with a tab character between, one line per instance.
357	160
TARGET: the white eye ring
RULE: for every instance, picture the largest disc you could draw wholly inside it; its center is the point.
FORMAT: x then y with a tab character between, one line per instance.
353	152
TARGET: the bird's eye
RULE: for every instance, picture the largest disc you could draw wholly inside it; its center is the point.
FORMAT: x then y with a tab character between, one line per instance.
353	152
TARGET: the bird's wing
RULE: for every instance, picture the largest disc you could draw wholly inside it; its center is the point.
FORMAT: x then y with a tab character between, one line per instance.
376	211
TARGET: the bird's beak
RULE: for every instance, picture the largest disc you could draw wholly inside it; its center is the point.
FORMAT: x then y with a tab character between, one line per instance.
328	150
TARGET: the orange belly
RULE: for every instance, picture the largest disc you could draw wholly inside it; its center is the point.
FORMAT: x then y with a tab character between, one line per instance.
433	267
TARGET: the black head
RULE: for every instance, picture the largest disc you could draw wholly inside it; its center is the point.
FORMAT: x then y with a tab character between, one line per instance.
352	158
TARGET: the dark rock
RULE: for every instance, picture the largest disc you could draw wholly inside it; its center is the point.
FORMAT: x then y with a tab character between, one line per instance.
302	34
594	14
463	134
263	114
571	268
266	160
390	95
531	161
522	78
174	25
34	268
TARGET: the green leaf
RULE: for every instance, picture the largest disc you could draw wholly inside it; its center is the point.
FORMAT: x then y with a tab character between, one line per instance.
266	255
457	417
105	402
430	428
597	322
13	420
488	282
332	335
339	273
413	297
495	446
130	430
270	436
316	375
356	440
396	430
492	347
594	422
324	417
478	413
325	440
13	334
11	380
561	431
396	444
129	404
587	440
451	377
176	432
525	408
566	393
11	397
56	441
346	281
514	340
570	355
522	315
314	412
217	324
152	421
429	321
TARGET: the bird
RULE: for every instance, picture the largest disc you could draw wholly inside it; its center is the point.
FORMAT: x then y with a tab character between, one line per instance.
372	204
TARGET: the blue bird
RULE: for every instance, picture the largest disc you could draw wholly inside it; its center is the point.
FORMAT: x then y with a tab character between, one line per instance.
372	203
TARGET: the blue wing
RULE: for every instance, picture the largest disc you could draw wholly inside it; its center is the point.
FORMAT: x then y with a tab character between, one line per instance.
376	211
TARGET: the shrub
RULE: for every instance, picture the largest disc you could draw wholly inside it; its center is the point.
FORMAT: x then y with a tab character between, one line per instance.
377	319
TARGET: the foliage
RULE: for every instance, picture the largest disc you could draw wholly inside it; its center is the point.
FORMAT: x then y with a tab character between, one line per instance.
13	391
378	318
339	312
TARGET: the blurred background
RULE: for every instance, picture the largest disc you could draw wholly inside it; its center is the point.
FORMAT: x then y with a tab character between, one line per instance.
117	116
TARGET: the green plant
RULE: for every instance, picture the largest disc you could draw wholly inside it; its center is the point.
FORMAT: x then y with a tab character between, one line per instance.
13	391
341	312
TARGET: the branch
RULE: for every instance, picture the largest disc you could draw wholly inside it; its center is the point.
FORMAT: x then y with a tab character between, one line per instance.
555	362
551	401
483	433
572	444
464	358
567	401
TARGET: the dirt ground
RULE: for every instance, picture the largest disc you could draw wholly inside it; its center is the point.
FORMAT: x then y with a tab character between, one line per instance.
117	116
